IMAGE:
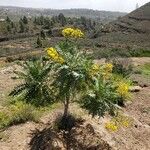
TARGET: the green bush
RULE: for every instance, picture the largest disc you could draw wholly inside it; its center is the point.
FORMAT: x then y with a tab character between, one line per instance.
4	119
17	113
145	69
122	67
22	112
35	87
140	53
100	98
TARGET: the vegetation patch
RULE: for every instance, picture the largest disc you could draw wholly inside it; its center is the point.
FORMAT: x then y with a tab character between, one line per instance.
68	76
119	121
17	113
118	52
145	69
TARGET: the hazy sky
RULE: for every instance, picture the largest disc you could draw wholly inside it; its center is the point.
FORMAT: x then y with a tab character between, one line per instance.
110	5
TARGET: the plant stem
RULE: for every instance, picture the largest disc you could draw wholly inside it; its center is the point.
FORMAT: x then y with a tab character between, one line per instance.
66	108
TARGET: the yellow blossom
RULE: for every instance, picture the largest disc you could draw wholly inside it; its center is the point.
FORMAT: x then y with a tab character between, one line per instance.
54	55
73	33
108	67
118	122
125	123
111	126
123	89
95	69
67	32
77	33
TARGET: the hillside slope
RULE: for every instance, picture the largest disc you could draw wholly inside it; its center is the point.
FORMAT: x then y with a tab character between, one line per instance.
136	21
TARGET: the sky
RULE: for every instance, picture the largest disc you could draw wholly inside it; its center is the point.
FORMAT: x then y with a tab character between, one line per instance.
108	5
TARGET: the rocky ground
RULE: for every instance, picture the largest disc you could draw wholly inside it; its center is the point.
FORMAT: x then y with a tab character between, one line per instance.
88	134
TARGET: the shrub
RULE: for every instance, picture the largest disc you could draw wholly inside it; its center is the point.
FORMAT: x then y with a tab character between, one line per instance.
17	113
106	92
4	119
39	42
119	121
9	59
35	88
140	53
100	98
75	78
111	126
122	66
145	69
22	112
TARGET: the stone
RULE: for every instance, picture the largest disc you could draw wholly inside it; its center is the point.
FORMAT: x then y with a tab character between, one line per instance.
135	89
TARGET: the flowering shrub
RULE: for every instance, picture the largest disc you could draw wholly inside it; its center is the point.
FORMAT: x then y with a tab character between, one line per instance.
19	112
120	121
73	33
111	126
54	55
76	78
94	70
123	89
108	67
107	71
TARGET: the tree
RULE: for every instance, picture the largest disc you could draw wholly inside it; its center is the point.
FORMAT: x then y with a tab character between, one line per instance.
54	19
21	26
62	19
83	21
25	20
8	19
49	32
47	23
39	42
35	20
43	34
41	19
9	28
12	25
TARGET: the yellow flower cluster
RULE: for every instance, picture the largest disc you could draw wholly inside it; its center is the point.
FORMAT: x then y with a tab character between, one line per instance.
123	89
73	33
125	123
117	122
95	69
52	52
108	67
122	120
111	126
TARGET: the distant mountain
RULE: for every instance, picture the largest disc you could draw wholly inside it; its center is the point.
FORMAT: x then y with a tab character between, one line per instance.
136	21
16	12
